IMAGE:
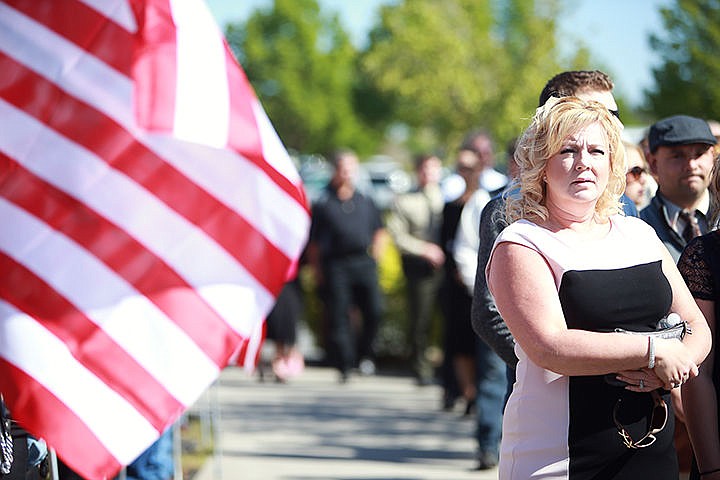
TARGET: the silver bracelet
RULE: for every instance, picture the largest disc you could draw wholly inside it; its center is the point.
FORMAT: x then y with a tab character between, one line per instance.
651	352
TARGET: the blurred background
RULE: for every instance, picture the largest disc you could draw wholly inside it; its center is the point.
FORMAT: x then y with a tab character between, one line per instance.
391	78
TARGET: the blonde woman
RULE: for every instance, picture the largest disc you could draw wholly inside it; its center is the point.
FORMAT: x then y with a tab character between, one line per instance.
565	274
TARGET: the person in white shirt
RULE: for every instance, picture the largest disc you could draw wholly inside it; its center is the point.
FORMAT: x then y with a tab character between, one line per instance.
491	380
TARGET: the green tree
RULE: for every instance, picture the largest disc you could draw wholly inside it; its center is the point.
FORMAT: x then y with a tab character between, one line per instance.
453	65
528	60
302	66
686	81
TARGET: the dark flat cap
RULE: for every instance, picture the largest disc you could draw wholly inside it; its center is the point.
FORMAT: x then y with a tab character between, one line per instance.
679	130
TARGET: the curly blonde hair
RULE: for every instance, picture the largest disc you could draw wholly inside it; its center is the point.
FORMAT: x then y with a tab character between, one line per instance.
552	124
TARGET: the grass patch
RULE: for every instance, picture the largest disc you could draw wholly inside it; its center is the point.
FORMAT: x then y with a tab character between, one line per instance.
197	439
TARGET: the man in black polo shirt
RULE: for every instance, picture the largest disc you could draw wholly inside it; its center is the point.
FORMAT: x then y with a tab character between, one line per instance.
345	241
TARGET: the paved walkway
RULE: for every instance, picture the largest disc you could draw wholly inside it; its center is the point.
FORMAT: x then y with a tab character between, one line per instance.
380	427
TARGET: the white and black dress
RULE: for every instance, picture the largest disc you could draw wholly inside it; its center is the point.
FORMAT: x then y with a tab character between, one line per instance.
561	427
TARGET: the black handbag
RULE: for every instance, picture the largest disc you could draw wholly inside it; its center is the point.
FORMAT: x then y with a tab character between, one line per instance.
676	330
668	328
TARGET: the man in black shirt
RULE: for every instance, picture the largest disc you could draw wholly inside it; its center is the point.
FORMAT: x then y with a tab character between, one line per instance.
345	241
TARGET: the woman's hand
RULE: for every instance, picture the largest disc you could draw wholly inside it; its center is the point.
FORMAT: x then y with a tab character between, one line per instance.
643	380
674	363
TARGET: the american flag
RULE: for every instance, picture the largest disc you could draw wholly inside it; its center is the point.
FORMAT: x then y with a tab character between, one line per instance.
150	215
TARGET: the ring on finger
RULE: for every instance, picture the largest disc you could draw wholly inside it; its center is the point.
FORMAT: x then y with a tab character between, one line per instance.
641	384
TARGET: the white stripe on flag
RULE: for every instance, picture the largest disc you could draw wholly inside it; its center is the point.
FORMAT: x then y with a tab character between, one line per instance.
50	55
90	180
111	93
202	108
257	191
273	149
136	324
81	391
117	10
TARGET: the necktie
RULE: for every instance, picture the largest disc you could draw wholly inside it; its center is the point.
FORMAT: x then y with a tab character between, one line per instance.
433	232
692	229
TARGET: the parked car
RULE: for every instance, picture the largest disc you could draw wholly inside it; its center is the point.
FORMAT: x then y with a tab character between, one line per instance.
380	177
315	172
386	179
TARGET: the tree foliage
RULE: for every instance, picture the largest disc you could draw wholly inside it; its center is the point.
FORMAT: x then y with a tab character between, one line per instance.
454	65
302	66
686	81
436	69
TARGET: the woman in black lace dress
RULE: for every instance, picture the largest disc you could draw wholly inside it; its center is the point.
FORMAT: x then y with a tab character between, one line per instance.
700	266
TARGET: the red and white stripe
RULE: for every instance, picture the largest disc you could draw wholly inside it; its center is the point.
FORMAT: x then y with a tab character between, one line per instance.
150	217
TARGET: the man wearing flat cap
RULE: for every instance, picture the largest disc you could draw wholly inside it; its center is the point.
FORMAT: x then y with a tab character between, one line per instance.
681	158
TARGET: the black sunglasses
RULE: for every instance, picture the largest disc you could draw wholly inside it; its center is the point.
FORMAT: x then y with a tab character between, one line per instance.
658	420
636	172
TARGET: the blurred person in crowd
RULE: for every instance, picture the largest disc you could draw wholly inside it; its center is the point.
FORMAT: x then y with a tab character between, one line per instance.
700	266
414	223
638	181
491	381
155	463
566	273
480	141
485	318
459	342
346	240
281	325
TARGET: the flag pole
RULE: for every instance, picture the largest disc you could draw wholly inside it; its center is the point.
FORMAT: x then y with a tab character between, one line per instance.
215	421
177	452
54	475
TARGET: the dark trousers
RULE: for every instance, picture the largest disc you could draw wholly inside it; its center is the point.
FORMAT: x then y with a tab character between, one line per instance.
352	280
422	283
459	338
492	387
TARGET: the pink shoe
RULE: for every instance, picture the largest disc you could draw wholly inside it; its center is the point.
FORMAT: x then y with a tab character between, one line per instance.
288	367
